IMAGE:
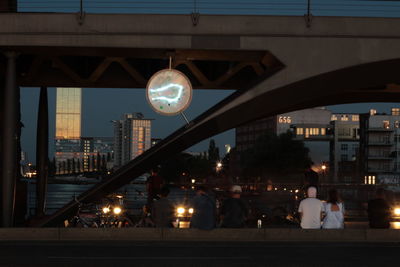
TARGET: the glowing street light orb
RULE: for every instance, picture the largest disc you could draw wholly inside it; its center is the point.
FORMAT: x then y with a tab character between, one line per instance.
180	210
169	92
396	211
117	210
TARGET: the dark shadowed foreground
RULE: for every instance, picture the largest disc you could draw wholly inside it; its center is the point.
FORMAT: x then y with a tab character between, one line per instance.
128	253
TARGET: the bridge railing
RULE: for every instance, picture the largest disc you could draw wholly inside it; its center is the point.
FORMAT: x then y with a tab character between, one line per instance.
367	8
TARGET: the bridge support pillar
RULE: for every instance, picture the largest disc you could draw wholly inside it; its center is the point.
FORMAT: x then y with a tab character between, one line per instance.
42	152
10	141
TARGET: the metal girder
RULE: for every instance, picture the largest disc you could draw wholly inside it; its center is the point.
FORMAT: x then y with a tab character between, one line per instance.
131	68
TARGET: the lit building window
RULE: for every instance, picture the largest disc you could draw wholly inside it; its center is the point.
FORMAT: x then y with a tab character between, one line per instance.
314	131
355	117
395	111
323	131
344	118
299	131
372	112
386	124
333	118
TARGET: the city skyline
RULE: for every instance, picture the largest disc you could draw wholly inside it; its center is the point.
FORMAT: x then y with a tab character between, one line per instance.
97	118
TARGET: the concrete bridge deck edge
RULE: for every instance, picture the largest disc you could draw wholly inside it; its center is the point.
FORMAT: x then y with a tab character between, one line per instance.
216	235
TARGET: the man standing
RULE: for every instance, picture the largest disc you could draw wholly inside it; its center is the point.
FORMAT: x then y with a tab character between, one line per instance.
379	211
204	210
154	184
310	210
234	210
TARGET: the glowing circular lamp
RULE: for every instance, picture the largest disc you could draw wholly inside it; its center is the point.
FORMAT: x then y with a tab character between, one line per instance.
169	92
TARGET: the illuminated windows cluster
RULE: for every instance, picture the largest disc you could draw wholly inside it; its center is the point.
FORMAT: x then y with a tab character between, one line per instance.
132	137
345	117
369	179
307	132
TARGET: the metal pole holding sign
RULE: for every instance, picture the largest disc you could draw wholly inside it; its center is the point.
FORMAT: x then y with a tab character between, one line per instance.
308	16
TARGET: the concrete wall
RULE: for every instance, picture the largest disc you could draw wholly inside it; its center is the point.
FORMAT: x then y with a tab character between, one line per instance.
234	235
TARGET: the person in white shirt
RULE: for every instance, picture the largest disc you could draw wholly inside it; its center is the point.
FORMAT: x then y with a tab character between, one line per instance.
310	210
334	211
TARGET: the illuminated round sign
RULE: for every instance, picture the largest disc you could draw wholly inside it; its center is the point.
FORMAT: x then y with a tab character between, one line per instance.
169	92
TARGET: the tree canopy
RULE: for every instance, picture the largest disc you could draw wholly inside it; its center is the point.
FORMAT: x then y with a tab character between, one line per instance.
275	156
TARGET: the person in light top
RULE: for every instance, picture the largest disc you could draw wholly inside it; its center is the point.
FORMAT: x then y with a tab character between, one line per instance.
310	210
334	211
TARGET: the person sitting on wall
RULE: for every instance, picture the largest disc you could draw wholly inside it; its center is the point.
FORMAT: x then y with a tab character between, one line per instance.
379	211
234	211
310	210
204	210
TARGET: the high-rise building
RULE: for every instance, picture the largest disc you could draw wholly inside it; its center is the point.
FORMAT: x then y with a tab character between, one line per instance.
132	136
380	147
344	148
95	147
70	146
68	113
68	124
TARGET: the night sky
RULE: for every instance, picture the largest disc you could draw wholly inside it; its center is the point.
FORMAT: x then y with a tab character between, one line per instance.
100	106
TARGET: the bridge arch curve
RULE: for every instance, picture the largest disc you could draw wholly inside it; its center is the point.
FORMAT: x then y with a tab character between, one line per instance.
370	82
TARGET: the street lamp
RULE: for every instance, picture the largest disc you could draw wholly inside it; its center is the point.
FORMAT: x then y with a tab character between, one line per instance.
219	166
323	168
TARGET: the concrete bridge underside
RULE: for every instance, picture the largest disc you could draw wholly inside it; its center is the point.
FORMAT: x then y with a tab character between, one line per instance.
337	60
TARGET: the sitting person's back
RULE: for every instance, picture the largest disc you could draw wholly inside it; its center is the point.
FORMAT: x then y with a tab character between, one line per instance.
379	211
234	210
204	211
310	210
334	212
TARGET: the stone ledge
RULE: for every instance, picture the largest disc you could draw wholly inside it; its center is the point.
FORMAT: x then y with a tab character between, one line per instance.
230	235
